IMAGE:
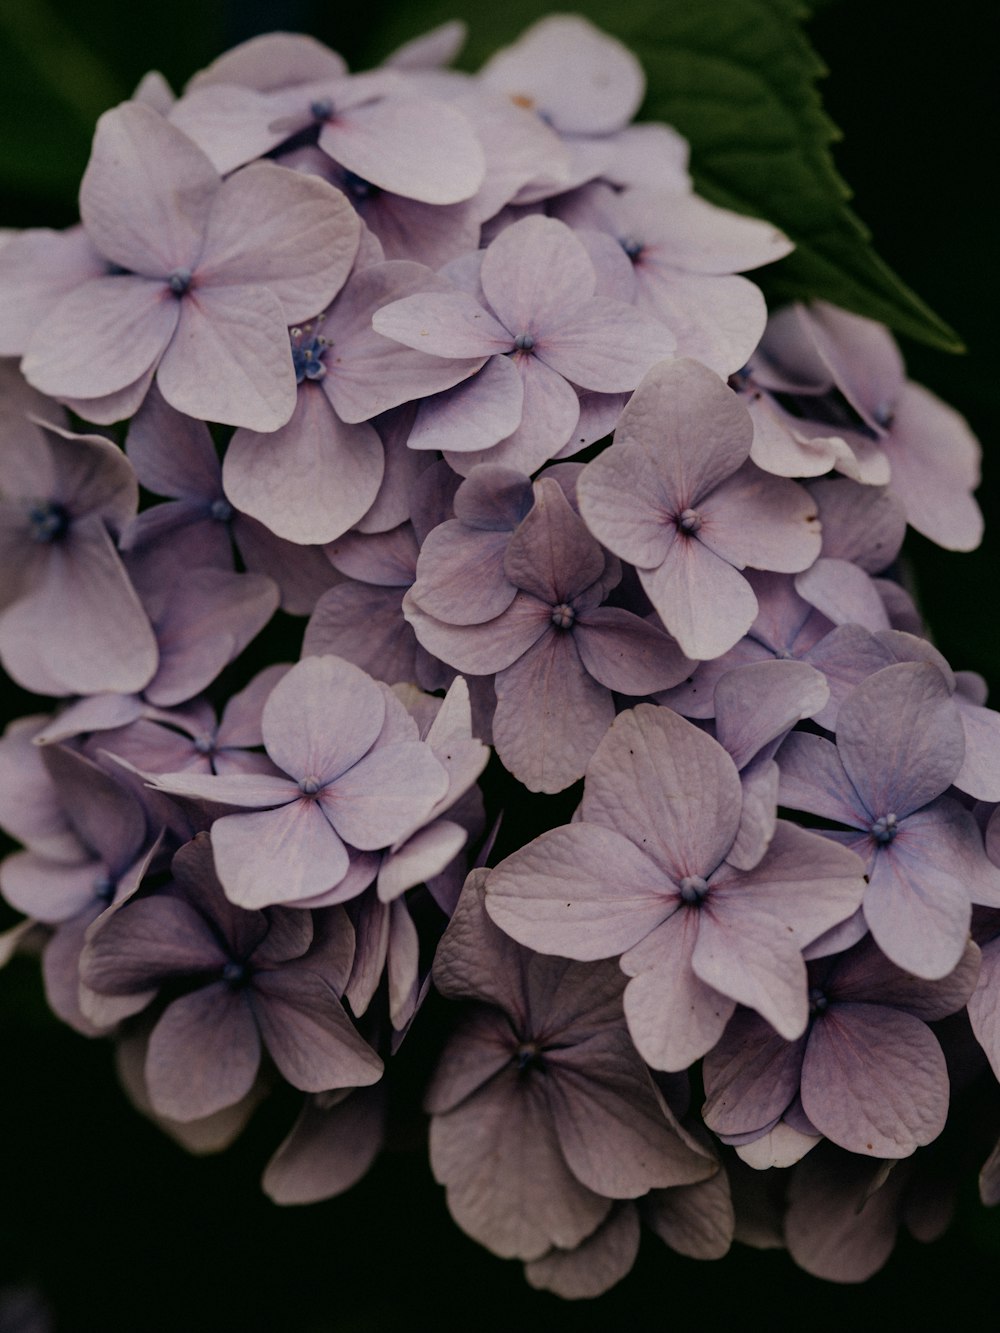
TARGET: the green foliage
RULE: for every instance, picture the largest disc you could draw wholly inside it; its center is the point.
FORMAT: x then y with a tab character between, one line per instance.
738	79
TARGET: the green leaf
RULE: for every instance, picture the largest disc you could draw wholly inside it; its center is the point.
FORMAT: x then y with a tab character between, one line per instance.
738	79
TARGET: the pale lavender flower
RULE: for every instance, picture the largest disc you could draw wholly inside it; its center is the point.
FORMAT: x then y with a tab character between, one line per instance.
544	330
200	289
322	726
644	874
557	653
900	745
71	621
676	496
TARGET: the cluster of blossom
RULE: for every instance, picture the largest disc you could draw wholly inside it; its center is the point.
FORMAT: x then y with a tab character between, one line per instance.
360	327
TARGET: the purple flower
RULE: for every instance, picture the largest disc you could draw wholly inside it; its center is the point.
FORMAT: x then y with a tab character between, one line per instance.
556	651
870	1073
254	981
323	727
900	745
544	330
645	874
542	1112
71	621
204	300
676	497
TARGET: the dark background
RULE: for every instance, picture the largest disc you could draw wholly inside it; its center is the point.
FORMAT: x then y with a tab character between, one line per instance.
121	1230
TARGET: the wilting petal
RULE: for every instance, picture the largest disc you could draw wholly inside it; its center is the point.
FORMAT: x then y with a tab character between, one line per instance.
328	1149
508	1183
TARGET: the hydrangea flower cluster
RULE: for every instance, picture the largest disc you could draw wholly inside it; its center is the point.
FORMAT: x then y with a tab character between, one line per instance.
368	422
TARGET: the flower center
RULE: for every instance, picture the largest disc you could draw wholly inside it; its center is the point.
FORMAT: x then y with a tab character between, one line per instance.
220	510
358	188
49	521
689	521
529	1056
524	342
179	281
631	246
322	109
204	743
308	350
817	1001
104	888
234	973
693	888
309	786
563	616
885	829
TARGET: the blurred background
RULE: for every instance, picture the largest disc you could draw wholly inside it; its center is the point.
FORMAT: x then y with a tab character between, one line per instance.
106	1224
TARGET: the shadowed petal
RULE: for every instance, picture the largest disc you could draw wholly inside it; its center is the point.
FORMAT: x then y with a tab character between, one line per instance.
874	1080
308	1034
203	1053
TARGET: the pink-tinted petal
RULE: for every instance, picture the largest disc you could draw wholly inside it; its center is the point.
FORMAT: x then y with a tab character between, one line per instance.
321	718
935	465
476	414
627	654
614	1131
508	1183
668	787
900	737
533	271
813	778
310	480
328	1149
483	648
580	891
277	856
597	1263
385	795
844	593
146	193
674	1018
550	715
702	600
203	1053
604	344
308	1034
283	230
82	630
240	332
102	337
874	1080
449	324
752	518
917	904
757	703
414	146
582	80
751	1077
